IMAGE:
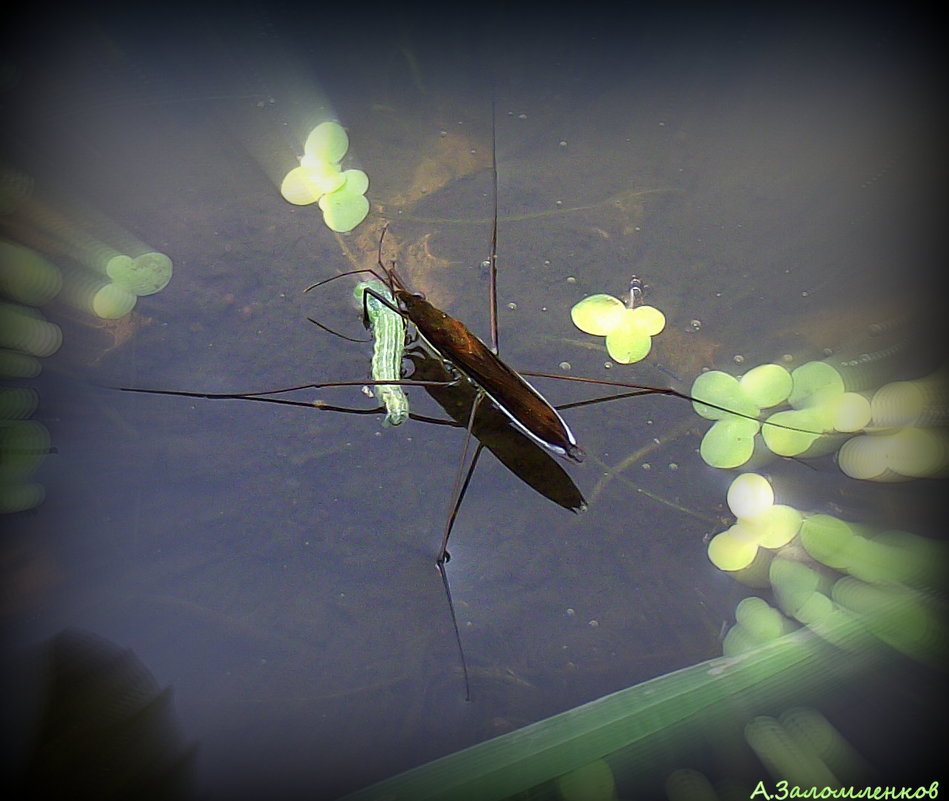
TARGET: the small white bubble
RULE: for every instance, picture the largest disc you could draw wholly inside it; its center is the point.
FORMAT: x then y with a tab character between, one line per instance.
563	142
738	359
594	624
512	306
522	116
571	612
696	325
566	366
571	279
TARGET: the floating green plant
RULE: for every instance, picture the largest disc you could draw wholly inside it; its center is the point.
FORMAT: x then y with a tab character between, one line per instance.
628	331
143	275
319	179
815	390
761	523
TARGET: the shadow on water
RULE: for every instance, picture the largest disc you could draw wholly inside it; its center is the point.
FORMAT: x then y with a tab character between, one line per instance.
275	566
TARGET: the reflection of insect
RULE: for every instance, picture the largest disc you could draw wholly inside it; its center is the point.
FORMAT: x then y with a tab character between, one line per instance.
531	417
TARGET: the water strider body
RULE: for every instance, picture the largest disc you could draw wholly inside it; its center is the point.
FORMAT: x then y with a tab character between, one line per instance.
526	408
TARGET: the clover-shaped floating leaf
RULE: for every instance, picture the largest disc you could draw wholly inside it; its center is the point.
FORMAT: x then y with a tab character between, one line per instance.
628	332
764	386
761	523
319	179
143	275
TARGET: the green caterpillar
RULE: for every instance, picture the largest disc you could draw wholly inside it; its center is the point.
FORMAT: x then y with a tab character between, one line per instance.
388	329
